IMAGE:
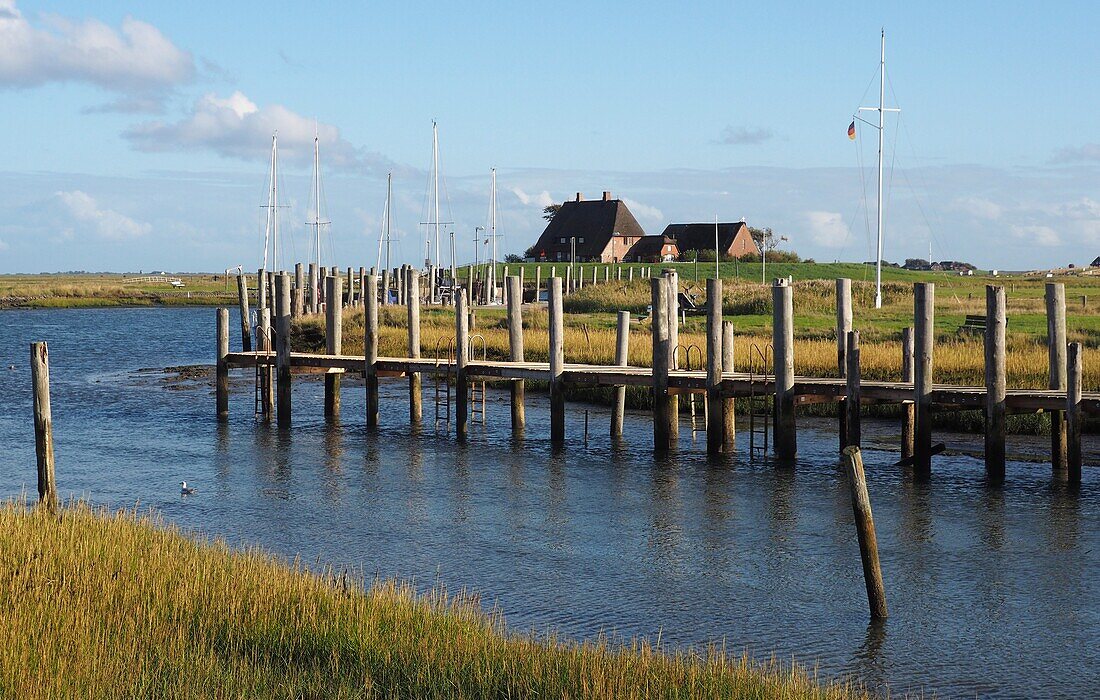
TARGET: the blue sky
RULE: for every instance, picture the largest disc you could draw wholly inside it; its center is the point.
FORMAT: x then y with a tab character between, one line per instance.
137	133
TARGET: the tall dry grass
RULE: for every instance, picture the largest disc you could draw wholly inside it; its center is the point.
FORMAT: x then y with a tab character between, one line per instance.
100	604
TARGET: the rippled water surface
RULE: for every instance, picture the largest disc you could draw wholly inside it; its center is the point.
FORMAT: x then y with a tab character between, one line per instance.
992	591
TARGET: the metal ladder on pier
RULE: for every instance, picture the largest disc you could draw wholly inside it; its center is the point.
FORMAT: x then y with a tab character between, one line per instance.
761	404
441	376
693	351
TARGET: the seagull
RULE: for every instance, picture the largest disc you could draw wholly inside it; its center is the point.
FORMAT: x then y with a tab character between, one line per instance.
186	490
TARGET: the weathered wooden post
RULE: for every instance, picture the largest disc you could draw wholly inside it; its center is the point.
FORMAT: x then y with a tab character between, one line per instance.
267	386
630	274
282	348
313	298
715	406
784	432
515	348
351	288
462	356
362	276
43	415
432	290
1074	364
538	282
412	305
1056	351
334	340
580	276
662	348
618	273
557	361
673	320
852	403
865	531
262	290
569	279
221	369
843	326
606	273
729	428
370	349
242	305
995	386
299	290
622	359
924	301
908	409
386	287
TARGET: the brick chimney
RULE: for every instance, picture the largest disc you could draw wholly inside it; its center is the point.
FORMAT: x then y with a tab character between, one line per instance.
580	197
606	196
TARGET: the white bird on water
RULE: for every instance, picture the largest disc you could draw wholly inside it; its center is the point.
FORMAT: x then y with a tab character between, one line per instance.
186	490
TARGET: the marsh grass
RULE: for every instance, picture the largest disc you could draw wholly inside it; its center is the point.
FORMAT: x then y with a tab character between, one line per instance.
116	604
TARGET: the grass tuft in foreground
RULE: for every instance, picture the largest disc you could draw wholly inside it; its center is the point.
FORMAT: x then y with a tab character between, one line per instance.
101	604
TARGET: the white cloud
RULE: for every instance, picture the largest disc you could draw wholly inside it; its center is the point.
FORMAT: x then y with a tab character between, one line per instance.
827	228
1040	235
644	212
1077	154
135	57
81	209
744	136
541	199
236	127
979	207
3	245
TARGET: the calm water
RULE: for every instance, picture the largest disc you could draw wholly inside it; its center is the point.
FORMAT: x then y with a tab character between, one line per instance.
992	591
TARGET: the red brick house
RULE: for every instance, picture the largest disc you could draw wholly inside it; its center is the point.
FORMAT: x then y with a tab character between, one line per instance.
603	230
653	249
734	239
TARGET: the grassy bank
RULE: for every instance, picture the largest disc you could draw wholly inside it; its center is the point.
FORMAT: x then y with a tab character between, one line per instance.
107	290
97	604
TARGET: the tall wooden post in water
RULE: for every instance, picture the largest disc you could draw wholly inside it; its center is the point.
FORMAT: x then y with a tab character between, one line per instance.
729	434
662	347
515	347
673	320
282	349
462	356
262	300
843	326
1056	350
715	407
221	369
622	359
784	433
908	410
43	422
865	531
299	291
1074	364
995	385
557	362
267	385
851	404
924	303
334	340
370	349
242	305
412	305
313	297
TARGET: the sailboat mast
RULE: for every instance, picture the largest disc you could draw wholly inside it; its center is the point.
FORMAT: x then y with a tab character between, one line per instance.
317	197
270	208
389	225
435	186
275	199
881	134
493	230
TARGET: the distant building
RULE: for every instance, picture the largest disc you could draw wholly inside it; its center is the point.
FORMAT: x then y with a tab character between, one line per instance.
653	249
734	239
1095	263
603	230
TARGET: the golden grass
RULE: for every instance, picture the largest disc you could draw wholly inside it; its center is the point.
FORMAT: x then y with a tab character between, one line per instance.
100	604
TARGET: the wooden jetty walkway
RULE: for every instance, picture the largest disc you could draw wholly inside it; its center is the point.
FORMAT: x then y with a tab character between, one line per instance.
775	381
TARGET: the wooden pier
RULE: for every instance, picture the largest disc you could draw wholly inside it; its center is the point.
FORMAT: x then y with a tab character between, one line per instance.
916	391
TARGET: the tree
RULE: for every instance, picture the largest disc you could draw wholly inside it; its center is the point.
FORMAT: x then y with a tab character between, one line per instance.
765	238
550	211
513	258
917	264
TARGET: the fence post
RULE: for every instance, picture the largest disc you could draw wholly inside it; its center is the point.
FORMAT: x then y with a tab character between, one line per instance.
43	423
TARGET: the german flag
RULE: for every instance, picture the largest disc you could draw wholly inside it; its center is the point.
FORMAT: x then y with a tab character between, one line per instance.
852	130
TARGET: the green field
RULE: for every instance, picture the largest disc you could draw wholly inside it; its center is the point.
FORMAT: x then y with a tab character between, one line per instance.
104	290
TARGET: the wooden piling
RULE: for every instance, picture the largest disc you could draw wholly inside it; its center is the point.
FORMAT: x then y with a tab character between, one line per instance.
386	287
370	349
412	305
622	359
262	290
1056	350
299	290
995	386
242	305
267	372
557	362
715	406
865	531
462	356
729	428
43	415
673	320
1074	364
852	402
843	326
312	298
662	348
515	348
784	433
908	412
924	303
221	369
282	348
334	340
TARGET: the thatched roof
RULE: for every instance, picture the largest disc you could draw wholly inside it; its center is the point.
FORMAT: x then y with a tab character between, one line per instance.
596	221
701	237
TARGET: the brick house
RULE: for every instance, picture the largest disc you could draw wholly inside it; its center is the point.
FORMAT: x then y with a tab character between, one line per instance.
603	230
734	239
653	249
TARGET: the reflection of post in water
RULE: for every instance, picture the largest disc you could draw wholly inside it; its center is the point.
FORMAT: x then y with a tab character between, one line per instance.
991	518
461	483
666	506
781	514
867	663
1063	527
221	450
717	486
916	513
